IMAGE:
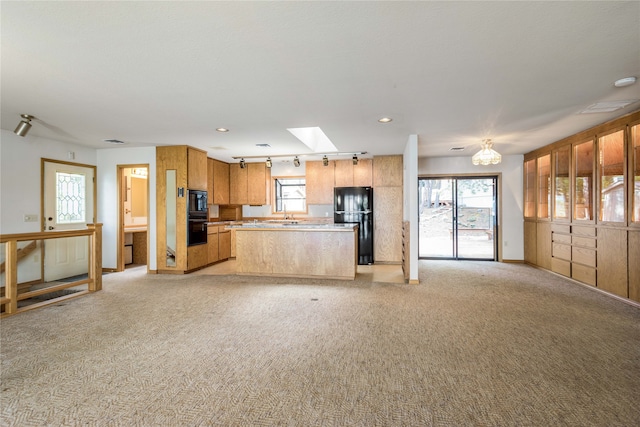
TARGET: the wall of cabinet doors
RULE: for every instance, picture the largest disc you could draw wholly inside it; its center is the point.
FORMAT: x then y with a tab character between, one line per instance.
582	207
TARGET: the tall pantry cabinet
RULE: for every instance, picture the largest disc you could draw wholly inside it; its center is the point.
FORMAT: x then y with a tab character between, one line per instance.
178	169
387	209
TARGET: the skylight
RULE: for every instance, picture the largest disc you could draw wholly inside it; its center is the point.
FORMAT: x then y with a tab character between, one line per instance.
314	138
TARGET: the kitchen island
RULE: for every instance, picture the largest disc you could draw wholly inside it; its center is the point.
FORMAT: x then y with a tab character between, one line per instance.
327	251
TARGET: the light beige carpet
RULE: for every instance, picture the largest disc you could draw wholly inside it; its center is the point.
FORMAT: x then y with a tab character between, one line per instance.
475	344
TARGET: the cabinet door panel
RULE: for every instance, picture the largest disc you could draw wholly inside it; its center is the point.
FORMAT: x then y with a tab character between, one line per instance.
257	183
344	173
220	183
197	169
238	185
320	183
612	261
387	217
363	173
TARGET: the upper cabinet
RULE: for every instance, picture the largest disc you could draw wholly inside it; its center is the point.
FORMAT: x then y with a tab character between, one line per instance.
387	171
544	186
218	182
249	185
349	175
258	179
197	169
320	181
562	183
238	184
530	188
583	181
611	162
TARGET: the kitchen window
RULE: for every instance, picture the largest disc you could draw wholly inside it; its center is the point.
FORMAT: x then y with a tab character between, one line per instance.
290	194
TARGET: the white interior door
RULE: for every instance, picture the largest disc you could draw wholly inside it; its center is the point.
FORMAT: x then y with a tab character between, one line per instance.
68	204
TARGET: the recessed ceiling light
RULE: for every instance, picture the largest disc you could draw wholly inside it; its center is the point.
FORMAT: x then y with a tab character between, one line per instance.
385	120
627	81
222	129
113	141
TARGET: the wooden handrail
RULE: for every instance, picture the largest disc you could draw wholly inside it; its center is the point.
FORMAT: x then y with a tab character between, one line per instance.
94	281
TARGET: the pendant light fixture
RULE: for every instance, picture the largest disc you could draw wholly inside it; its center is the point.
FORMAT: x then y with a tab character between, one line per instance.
486	156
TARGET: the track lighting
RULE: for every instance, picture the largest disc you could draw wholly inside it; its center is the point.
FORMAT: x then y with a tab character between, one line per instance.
269	164
325	161
296	162
242	164
355	159
24	125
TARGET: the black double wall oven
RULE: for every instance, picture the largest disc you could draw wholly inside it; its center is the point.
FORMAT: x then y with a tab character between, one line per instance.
197	217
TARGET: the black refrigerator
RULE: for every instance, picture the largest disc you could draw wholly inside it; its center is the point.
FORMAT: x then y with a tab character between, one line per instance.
355	205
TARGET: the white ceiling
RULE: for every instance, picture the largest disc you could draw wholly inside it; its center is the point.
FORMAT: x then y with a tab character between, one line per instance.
165	73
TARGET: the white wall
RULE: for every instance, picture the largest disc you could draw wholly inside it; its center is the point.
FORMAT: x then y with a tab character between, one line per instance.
20	160
108	161
511	215
410	210
20	178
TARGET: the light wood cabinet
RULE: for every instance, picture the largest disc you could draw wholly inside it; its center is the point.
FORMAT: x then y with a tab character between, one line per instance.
249	185
387	171
196	169
530	250
259	177
212	244
363	173
187	167
238	184
343	173
543	245
387	209
224	243
586	223
320	182
218	182
387	225
612	261
349	175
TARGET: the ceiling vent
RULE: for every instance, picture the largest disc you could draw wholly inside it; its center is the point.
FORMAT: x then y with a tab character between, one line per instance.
607	106
263	145
113	141
456	149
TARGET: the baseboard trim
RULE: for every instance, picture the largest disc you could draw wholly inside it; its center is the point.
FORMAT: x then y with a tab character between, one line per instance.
513	261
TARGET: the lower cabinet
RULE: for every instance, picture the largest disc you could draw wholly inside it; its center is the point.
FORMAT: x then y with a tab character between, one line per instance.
224	244
197	257
212	244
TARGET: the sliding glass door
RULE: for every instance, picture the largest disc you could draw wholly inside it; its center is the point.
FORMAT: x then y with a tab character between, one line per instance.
458	217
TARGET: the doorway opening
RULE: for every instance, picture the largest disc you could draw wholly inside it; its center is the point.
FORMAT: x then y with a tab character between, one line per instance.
133	209
458	217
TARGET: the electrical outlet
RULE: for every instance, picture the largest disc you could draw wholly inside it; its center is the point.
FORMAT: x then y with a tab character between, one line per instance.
505	243
31	218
